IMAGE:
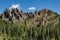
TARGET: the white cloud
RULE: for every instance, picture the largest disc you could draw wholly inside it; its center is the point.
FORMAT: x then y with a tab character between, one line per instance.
32	8
15	6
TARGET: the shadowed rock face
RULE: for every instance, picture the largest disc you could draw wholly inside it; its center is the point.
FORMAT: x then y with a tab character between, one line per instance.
15	14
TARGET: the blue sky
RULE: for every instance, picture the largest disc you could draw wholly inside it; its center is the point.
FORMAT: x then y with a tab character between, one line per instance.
31	5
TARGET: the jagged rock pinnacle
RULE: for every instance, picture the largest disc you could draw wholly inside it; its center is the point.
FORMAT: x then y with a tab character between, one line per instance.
15	14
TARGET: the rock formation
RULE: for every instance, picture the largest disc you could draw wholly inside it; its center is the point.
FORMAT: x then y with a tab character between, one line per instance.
16	15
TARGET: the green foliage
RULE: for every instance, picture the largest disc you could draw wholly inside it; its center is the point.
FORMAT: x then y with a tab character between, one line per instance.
20	31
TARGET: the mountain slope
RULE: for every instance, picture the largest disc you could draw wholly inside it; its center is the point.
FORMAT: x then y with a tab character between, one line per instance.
19	25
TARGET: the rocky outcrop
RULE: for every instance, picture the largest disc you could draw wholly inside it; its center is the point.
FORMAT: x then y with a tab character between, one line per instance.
16	15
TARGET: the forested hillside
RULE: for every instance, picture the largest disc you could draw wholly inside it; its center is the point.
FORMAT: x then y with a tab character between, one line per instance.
19	25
